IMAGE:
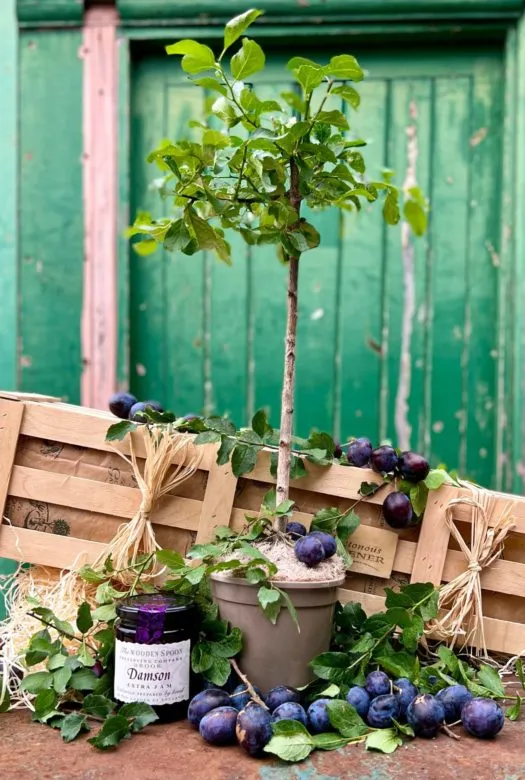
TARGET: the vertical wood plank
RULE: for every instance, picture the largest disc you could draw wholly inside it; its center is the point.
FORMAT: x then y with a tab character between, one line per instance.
218	501
433	539
11	413
123	220
51	231
99	312
9	197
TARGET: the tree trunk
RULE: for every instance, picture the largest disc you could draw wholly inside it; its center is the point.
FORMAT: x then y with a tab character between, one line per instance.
287	396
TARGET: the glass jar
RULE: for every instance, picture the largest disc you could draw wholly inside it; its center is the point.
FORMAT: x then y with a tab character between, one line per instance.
154	637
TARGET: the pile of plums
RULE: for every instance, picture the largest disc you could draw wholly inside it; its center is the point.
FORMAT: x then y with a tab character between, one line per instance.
126	406
311	548
409	466
227	718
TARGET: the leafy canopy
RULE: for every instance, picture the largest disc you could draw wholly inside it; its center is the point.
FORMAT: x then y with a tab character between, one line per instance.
235	172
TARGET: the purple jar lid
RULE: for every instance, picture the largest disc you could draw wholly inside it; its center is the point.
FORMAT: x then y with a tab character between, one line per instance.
152	614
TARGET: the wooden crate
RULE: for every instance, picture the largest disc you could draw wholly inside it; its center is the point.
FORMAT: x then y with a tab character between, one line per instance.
56	465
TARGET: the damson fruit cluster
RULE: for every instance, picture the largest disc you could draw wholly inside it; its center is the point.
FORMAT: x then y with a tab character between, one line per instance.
311	548
224	719
409	466
126	406
382	701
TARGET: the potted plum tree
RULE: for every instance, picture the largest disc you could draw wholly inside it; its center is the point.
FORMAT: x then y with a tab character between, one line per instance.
253	176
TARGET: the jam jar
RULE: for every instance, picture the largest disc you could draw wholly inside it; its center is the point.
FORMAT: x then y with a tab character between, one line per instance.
154	637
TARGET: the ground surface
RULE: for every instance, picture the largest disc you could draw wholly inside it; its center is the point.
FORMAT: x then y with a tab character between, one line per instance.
171	752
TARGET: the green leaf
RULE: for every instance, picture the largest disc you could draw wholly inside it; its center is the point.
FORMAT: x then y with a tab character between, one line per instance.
88	574
171	559
309	77
140	714
207	236
84	619
196	575
197	57
288	603
418	497
105	613
514	712
119	431
328	741
328	666
243	459
416	217
97	705
5	699
260	424
205	551
291	741
449	659
114	730
83	680
146	247
230	646
297	468
435	478
72	725
345	719
207	437
334	117
401	664
36	682
491	680
201	657
238	25
370	488
219	672
391	208
271	602
177	237
249	60
225	450
344	66
207	82
384	740
349	94
45	703
61	679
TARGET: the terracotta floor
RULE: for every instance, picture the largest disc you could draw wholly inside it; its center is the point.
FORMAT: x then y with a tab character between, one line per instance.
33	752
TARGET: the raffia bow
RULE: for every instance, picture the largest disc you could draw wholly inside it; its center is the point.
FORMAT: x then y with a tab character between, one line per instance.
159	477
460	600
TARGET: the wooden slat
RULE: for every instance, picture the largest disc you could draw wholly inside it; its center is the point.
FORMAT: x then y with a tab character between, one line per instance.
501	636
86	428
432	545
218	501
101	497
21	544
11	414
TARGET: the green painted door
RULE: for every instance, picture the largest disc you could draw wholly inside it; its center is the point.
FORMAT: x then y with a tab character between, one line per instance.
396	338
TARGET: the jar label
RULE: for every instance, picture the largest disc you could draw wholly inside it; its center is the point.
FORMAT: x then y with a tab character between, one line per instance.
153	674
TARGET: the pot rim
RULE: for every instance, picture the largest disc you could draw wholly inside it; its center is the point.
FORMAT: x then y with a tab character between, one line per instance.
284	584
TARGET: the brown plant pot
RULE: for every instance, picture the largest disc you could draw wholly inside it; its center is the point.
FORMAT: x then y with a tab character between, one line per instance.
278	654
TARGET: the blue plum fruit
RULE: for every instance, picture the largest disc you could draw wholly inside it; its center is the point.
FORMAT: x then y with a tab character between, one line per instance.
218	726
280	695
296	529
120	404
426	715
406	693
384	459
359	451
204	702
318	719
383	711
412	466
328	542
309	550
137	411
254	728
377	684
241	696
483	718
359	698
453	698
397	510
290	710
